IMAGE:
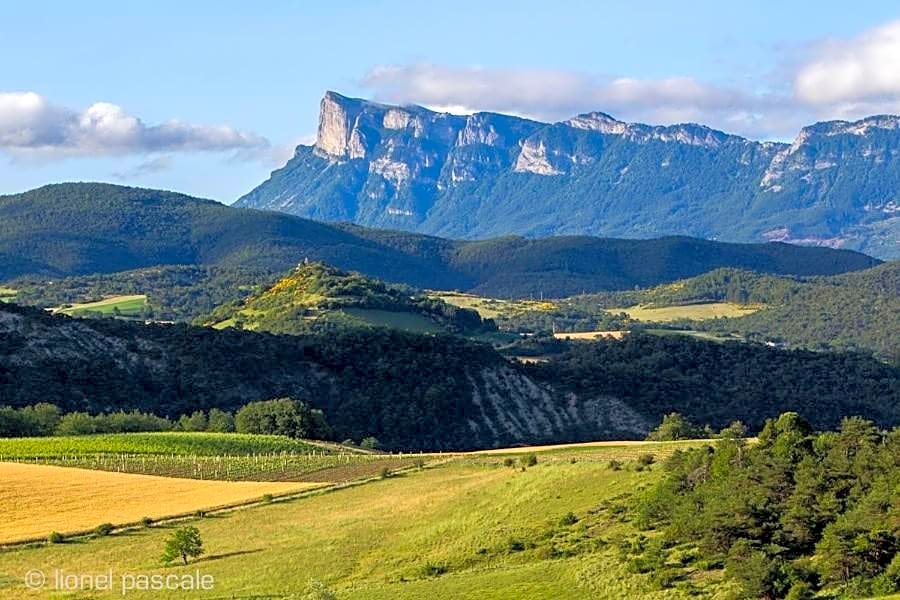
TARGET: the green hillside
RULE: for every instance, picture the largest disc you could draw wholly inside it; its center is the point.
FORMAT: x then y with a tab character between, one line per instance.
80	229
648	521
853	311
314	295
858	310
432	392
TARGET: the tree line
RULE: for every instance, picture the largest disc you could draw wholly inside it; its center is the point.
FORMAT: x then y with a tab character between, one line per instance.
280	416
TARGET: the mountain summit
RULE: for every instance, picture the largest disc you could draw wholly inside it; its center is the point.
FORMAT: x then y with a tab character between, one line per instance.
488	174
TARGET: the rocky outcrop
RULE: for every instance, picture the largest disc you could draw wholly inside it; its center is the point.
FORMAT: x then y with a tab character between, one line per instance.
489	174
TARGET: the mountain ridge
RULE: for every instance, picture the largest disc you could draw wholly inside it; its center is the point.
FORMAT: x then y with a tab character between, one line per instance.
489	174
79	229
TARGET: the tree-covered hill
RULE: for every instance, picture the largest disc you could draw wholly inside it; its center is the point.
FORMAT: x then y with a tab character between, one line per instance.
87	228
315	295
859	310
431	391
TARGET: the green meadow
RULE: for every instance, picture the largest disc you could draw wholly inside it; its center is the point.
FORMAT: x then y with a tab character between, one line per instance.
126	306
474	526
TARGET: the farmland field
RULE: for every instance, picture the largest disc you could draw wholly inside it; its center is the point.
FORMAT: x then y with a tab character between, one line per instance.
126	305
664	314
405	321
468	528
38	499
213	456
591	335
7	294
490	308
169	443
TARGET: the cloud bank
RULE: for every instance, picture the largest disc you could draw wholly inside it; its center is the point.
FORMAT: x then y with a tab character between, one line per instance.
32	126
846	79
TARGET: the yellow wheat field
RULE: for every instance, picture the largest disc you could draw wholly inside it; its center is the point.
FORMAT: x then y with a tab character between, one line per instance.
38	499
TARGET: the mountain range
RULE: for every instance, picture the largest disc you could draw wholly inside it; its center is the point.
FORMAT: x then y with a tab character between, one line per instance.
83	228
487	174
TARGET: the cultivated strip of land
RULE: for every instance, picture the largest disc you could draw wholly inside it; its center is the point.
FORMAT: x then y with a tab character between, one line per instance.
38	499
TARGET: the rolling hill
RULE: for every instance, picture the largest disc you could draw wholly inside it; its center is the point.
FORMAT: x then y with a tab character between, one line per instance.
315	296
487	174
84	228
853	311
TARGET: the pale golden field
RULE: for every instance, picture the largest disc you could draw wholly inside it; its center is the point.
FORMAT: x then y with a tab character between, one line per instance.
38	499
490	308
664	314
591	335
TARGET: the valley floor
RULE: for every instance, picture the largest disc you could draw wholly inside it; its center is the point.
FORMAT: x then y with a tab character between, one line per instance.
473	526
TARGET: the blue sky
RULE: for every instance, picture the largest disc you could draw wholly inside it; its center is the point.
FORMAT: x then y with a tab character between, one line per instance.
89	90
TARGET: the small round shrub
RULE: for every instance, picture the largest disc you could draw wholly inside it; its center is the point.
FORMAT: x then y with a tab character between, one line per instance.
568	519
646	460
103	529
55	537
146	521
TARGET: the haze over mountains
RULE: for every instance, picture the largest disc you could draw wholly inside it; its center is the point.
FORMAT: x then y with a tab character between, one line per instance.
490	174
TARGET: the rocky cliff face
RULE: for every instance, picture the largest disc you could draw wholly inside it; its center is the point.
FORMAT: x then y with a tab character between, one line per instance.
488	174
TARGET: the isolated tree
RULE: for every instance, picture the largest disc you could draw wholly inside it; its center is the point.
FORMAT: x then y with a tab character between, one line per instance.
184	542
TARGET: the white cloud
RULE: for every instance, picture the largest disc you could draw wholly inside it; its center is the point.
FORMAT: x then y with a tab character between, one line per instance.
862	70
837	79
33	127
554	95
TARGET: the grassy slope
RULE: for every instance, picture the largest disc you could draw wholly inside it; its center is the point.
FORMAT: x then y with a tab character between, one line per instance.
490	308
316	294
127	306
699	312
377	540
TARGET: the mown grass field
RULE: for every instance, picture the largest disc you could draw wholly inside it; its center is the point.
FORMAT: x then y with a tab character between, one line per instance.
127	306
405	321
468	528
699	312
490	308
38	499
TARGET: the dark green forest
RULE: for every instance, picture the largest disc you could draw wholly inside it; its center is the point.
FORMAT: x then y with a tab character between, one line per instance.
815	512
86	228
416	391
716	383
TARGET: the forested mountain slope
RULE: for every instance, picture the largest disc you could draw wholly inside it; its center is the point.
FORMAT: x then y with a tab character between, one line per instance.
79	229
431	391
